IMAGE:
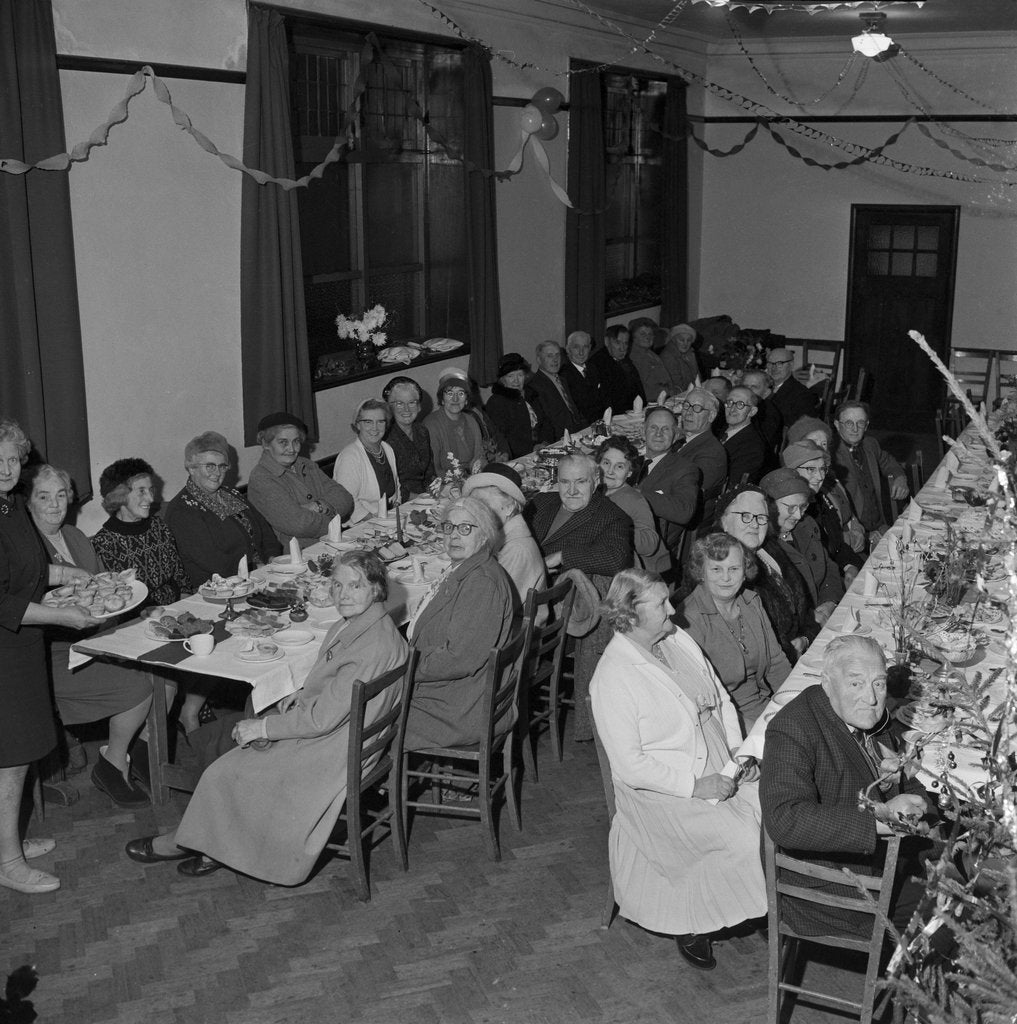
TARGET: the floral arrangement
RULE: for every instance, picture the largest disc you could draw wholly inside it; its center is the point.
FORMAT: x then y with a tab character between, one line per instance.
450	481
367	328
738	350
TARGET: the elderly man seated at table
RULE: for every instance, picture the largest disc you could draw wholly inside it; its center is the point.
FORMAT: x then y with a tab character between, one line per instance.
769	421
550	398
290	491
699	409
861	465
745	447
620	384
578	528
581	378
822	750
366	467
791	397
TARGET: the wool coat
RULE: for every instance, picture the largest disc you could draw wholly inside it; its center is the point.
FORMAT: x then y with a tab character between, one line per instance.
620	384
746	455
794	400
510	413
673	489
584	387
809	556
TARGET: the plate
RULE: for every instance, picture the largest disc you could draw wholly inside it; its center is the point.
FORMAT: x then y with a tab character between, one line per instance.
232	593
139	592
253	658
272	601
293	637
340	545
282	563
172	639
423	501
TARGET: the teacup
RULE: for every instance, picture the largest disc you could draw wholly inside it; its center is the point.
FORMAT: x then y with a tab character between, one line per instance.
201	645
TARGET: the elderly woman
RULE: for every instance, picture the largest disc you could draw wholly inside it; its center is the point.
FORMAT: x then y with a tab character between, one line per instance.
455	628
290	491
454	435
500	488
653	374
619	461
679	357
269	812
132	538
212	524
745	514
730	624
27	729
508	408
366	467
798	536
96	690
684	843
407	438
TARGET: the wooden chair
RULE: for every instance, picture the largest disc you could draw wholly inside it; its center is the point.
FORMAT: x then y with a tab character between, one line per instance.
784	940
449	766
940	431
973	368
1006	369
374	756
916	472
610	906
826	356
543	661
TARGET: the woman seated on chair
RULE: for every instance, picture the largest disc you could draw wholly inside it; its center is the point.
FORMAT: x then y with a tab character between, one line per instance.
730	625
684	843
366	467
267	811
456	626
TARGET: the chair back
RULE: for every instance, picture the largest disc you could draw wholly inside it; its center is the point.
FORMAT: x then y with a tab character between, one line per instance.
1006	375
501	685
973	368
544	645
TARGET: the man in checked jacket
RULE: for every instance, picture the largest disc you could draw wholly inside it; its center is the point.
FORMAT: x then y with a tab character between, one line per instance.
821	750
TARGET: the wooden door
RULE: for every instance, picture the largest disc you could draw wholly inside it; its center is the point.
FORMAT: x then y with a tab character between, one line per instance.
901	278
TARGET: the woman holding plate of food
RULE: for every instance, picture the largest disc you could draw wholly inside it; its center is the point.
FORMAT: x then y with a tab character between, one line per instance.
27	729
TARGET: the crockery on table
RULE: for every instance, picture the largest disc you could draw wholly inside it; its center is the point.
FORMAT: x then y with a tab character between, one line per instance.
293	637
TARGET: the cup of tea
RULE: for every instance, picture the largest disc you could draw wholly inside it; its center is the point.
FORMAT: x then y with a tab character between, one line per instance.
201	645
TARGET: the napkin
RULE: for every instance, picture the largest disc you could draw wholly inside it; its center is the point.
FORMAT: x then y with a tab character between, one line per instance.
698	381
869	586
637	405
906	532
914	513
941	477
566	438
335	529
951	461
608	413
418	570
662	397
242	569
994	485
383	506
295	558
812	373
854	622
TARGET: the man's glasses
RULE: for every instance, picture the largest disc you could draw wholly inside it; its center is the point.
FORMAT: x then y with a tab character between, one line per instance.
463	529
854	424
748	518
736	405
696	408
778	362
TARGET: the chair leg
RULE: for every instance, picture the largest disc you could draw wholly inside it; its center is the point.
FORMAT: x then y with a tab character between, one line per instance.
486	799
554	718
397	810
527	739
511	777
355	844
610	907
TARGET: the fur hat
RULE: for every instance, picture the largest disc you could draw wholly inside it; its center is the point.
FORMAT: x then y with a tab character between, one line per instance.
121	473
510	362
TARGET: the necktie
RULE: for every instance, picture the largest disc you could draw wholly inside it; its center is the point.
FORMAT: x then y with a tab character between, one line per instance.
566	397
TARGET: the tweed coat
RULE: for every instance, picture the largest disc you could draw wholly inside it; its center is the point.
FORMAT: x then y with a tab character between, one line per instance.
879	464
746	455
620	384
269	813
470	613
813	770
810	557
652	372
354	471
794	400
584	389
553	416
673	489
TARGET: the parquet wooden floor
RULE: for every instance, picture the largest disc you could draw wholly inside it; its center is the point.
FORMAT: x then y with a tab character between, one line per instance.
457	940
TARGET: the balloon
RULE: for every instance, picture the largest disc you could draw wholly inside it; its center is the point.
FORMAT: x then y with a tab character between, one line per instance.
530	119
548	100
548	128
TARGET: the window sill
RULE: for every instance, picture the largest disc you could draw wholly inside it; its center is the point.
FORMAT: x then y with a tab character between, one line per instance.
386	369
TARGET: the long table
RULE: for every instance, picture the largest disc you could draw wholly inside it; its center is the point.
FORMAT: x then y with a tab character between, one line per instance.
269	681
865	607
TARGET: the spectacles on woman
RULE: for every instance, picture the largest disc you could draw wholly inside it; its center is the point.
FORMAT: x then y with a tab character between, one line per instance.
751	517
455	393
213	468
463	529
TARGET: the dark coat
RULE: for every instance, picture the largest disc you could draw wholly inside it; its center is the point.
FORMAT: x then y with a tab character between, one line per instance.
746	455
509	412
597	539
810	558
794	400
879	465
770	425
707	454
813	770
831	530
620	385
413	457
553	416
584	389
786	599
673	489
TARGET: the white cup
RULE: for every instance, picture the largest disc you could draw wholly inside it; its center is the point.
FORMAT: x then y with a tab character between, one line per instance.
202	644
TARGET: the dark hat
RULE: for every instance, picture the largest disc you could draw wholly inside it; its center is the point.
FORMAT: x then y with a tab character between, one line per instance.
121	473
782	482
794	455
497	474
510	362
281	419
807	425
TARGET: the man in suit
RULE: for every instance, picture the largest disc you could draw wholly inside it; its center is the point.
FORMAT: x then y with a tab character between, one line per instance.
791	397
698	411
746	450
555	407
619	379
581	379
822	749
769	421
861	465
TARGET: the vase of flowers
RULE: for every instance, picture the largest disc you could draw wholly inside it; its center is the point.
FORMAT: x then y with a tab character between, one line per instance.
366	333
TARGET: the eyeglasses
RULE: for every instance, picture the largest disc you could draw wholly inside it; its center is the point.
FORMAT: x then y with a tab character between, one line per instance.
791	509
455	393
737	405
372	423
696	408
854	424
213	468
405	405
750	517
813	470
463	529
778	362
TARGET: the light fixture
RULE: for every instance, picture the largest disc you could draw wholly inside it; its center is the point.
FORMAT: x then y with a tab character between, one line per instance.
873	42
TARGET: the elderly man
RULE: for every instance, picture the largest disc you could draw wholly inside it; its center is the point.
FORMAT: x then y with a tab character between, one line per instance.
679	357
555	407
652	371
791	397
822	750
582	379
769	421
578	528
620	385
861	465
699	409
746	450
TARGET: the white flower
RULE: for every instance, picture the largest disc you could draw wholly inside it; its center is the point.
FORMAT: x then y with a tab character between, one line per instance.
364	329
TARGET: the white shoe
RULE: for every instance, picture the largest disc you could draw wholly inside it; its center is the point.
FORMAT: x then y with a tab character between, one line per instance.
33	848
32	881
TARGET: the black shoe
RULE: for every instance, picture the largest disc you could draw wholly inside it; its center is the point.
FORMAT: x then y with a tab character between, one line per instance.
139	764
198	867
108	779
60	793
141	851
697	950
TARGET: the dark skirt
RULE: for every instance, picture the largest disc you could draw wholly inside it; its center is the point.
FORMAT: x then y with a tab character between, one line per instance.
27	729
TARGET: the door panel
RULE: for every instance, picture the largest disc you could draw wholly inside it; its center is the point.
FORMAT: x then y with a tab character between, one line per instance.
901	278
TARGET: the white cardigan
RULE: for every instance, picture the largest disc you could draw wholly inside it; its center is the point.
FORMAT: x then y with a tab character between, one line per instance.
354	471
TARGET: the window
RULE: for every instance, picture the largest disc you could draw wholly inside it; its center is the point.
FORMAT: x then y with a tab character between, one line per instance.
386	223
633	115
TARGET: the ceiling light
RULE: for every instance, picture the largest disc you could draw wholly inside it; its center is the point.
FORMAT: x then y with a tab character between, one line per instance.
872	42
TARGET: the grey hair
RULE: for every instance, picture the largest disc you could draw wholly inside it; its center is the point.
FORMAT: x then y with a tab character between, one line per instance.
753	397
580	459
547	344
376	404
210	441
578	336
43	472
712	401
627	589
487	521
267	436
11	433
840	648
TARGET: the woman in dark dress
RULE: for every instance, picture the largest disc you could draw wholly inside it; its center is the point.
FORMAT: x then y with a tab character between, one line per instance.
407	438
508	408
27	729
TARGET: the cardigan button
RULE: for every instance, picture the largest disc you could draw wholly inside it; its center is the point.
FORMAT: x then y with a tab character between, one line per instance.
328	655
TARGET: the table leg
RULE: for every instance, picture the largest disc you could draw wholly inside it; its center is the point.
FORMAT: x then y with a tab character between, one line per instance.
158	740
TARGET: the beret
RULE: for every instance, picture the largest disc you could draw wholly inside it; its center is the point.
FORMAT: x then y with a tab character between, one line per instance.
801	451
783	482
807	425
281	419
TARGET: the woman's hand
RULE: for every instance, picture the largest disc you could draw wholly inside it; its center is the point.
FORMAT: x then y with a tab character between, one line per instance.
553	560
75	618
714	787
61	574
287	702
850	573
247	730
824	611
800	644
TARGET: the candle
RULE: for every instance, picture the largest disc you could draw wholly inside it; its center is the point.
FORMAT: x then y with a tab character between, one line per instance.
383	506
295	558
335	530
242	569
399	525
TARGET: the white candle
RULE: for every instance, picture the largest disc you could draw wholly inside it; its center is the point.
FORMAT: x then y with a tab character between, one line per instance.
242	569
335	529
295	558
383	506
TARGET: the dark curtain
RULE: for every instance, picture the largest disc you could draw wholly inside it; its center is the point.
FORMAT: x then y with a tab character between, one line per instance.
674	241
481	214
43	382
584	225
273	330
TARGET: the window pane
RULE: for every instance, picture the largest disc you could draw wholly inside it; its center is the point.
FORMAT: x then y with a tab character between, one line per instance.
620	186
879	263
398	293
325	231
903	236
324	302
928	238
447	312
901	264
925	264
392	214
879	237
387	117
